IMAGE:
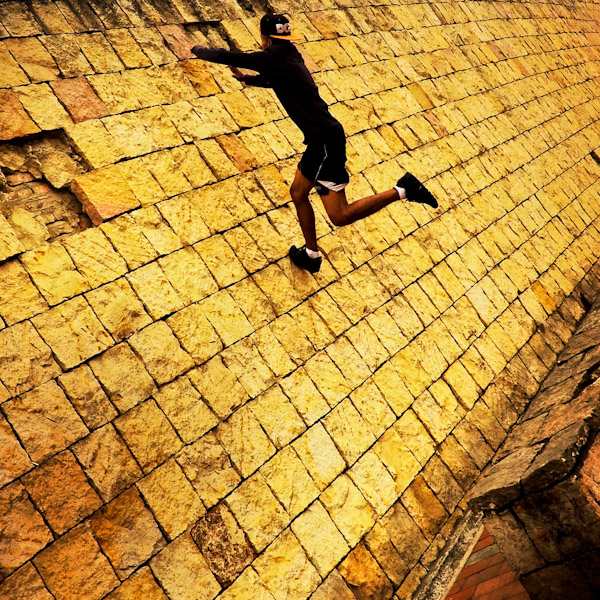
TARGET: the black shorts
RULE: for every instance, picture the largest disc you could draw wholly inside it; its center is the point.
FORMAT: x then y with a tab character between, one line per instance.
324	162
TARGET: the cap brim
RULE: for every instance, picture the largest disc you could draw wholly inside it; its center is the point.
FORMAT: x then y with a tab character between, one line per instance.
290	38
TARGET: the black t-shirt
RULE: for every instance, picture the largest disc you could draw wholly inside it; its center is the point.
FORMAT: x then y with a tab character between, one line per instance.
281	67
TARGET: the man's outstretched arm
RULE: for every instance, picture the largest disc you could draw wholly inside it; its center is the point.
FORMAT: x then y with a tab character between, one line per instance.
246	60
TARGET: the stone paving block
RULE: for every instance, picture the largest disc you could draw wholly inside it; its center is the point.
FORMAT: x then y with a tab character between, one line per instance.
330	547
244	441
277	416
66	565
104	193
24	581
156	230
33	58
91	139
141	584
107	461
26	361
183	573
60	489
378	542
348	508
223	544
209	469
91	337
15	461
12	74
24	531
126	532
69	58
364	576
43	106
327	378
45	421
123	376
374	481
348	430
286	570
9	242
87	396
185	409
257	511
148	434
171	498
220	260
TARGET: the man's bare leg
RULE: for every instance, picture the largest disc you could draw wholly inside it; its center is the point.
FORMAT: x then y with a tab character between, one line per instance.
342	213
299	191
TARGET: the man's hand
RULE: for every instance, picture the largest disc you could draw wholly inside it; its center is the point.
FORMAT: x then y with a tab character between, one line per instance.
237	74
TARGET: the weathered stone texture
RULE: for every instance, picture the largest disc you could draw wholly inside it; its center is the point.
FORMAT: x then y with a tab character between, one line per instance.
160	356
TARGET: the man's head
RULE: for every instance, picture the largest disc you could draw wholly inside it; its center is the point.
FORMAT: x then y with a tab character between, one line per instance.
276	27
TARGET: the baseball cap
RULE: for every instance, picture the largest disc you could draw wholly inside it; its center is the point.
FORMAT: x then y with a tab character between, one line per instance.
278	27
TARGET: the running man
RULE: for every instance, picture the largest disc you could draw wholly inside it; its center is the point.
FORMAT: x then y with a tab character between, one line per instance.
281	67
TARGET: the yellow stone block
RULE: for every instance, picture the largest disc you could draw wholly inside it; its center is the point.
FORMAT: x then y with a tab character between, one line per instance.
348	509
12	75
104	193
87	337
289	480
244	441
208	468
414	436
130	135
99	52
286	570
312	326
241	109
217	160
348	361
397	458
193	167
219	387
118	309
171	498
155	290
277	287
144	187
129	241
161	353
277	416
127	48
188	274
94	257
374	482
328	378
226	317
166	171
185	409
215	118
250	368
25	361
247	585
373	408
326	549
194	332
272	352
220	260
43	106
123	376
187	122
257	511
19	298
349	431
182	571
246	249
9	243
94	143
156	230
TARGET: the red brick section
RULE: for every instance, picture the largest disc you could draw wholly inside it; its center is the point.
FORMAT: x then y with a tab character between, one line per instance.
487	575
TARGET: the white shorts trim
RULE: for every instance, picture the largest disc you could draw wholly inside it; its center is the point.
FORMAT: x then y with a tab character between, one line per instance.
334	187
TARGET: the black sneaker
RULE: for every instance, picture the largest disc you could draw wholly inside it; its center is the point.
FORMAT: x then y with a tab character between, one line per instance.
301	259
416	191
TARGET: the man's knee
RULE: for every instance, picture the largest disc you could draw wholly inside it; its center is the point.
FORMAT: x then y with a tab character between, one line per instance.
340	217
298	193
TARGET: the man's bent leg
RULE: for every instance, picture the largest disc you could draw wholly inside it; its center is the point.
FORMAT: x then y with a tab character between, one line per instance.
299	191
342	213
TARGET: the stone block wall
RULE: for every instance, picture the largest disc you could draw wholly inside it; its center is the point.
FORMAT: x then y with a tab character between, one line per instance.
183	414
540	495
